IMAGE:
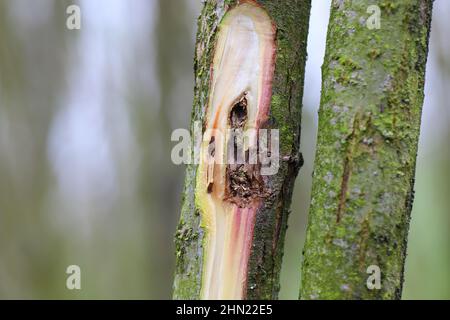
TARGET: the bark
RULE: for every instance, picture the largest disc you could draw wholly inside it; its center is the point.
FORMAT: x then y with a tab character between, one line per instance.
369	122
290	20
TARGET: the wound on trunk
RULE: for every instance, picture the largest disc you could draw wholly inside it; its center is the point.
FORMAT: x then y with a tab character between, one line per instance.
229	186
243	179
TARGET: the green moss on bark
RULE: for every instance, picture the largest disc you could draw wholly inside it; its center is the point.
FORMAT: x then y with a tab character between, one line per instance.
291	19
369	122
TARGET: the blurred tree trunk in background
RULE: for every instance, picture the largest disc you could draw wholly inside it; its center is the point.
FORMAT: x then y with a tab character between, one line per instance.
369	122
291	19
30	48
158	181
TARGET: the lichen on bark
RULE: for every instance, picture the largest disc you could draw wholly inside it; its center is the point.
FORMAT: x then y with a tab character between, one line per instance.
262	280
369	122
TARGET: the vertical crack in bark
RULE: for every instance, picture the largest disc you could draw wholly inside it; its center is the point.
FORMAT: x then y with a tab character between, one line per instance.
344	188
363	245
346	172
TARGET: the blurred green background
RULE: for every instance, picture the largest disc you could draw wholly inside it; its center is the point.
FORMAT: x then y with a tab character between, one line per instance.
85	170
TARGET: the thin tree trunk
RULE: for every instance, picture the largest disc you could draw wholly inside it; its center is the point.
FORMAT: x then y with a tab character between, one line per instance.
230	237
369	122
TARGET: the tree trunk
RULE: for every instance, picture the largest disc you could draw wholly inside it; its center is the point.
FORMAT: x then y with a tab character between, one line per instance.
229	241
369	121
